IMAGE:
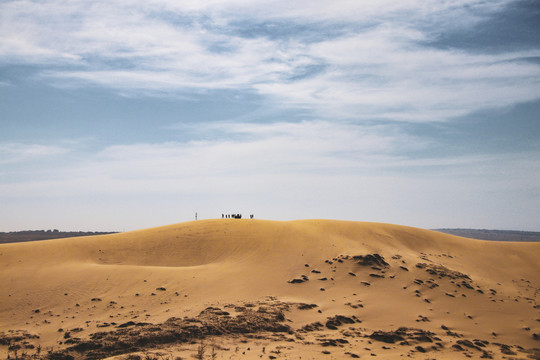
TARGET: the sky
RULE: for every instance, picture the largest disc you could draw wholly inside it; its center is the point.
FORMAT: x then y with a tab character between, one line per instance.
123	115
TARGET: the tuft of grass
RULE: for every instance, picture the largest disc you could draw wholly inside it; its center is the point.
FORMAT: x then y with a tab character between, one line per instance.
201	350
152	356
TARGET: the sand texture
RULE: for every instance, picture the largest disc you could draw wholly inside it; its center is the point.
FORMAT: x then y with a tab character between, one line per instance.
254	289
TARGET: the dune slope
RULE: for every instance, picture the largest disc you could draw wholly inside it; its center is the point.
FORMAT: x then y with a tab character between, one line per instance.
317	288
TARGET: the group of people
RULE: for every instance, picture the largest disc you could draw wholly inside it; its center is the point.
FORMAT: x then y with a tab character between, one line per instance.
234	216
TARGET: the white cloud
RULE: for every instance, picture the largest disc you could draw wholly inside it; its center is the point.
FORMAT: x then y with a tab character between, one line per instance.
19	152
374	75
341	10
254	157
280	171
236	152
242	149
377	65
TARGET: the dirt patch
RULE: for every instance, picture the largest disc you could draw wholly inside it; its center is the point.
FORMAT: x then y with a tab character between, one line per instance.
212	321
15	336
406	336
442	271
299	280
334	322
370	260
304	306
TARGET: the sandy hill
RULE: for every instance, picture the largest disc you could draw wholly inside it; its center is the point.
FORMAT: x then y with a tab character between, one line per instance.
252	289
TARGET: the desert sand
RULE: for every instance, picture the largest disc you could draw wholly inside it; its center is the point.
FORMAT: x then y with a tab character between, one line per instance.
255	289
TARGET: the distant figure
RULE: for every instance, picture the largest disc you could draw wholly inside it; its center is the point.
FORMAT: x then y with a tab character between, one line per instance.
251	216
195	216
222	216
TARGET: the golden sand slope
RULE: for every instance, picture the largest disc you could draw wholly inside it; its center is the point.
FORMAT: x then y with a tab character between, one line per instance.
467	297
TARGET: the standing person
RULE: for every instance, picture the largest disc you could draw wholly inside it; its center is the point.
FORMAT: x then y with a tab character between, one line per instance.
195	216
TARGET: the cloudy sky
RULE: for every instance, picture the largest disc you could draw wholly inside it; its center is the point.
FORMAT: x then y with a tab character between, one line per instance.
127	114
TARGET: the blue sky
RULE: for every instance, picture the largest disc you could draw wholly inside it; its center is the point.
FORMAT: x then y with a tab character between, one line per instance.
121	115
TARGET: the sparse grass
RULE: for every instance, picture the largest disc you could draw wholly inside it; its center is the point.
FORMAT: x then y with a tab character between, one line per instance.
131	341
201	350
135	338
151	356
133	357
18	352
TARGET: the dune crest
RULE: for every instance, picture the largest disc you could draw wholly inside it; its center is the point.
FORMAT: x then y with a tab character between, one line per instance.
321	287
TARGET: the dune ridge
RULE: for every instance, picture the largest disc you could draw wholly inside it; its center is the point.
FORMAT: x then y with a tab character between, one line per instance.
377	277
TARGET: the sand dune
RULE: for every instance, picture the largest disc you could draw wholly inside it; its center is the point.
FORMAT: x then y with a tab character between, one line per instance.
252	289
